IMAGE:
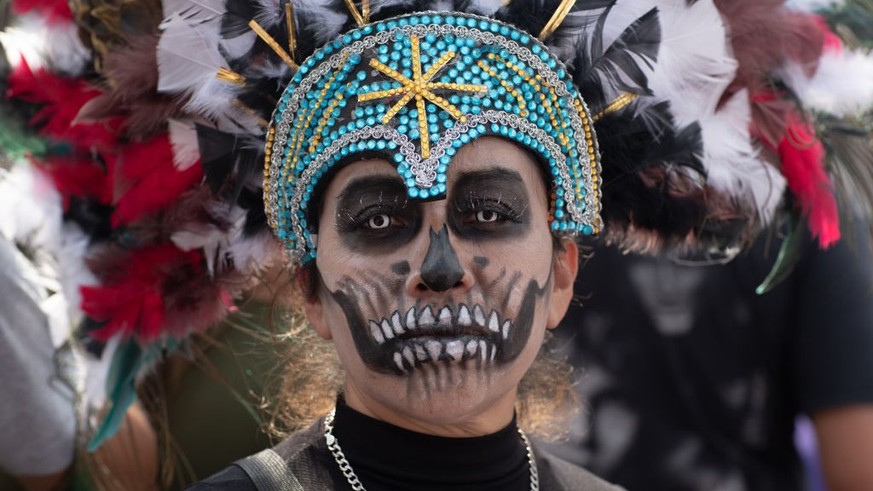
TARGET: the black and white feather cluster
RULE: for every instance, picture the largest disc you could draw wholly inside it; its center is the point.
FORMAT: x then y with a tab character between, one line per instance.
656	190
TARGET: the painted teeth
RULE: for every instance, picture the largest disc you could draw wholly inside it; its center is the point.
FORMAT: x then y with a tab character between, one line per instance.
452	351
407	354
398	323
464	319
425	320
455	349
420	353
479	315
434	348
446	317
376	332
493	324
395	323
410	319
386	328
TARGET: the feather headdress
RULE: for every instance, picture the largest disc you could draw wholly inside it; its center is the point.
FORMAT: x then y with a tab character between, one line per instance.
714	119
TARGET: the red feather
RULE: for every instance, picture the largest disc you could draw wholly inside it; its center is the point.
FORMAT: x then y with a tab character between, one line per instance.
131	301
802	158
78	176
831	41
61	98
147	179
52	10
155	292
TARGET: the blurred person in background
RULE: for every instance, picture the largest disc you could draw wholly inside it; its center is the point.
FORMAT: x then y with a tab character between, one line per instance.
693	381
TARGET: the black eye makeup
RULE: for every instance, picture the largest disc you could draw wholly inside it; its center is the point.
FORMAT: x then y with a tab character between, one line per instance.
490	203
374	211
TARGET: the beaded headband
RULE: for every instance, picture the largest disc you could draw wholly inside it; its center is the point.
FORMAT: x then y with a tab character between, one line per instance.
418	87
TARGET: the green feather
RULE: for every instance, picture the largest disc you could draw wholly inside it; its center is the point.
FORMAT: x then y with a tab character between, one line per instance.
121	389
789	254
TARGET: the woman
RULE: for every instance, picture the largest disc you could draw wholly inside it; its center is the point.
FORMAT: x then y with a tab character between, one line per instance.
419	217
424	94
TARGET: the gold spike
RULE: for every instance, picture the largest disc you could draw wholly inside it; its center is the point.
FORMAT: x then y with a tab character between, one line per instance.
227	75
365	11
359	19
557	18
272	43
618	104
289	21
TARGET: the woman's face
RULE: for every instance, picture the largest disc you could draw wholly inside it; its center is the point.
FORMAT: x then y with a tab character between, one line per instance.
437	309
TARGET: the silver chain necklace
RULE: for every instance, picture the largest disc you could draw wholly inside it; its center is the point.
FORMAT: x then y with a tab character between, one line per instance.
352	478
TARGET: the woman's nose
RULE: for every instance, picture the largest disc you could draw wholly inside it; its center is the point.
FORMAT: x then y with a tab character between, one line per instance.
441	270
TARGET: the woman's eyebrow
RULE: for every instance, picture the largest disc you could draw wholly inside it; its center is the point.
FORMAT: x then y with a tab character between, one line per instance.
493	175
362	185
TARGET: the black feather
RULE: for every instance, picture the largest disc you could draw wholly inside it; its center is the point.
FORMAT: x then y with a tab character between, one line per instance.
91	216
227	162
251	200
641	174
601	73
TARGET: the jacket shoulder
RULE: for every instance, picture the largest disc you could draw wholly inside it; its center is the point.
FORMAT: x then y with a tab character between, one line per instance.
559	475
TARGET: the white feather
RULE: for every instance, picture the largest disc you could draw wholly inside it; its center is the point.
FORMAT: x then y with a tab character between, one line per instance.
187	55
254	254
842	85
325	22
621	16
188	61
268	13
54	46
813	5
30	208
211	239
74	272
194	10
732	163
97	370
183	137
695	64
239	46
485	7
31	214
215	100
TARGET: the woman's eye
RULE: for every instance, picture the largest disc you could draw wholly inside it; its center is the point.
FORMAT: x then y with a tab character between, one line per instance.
486	216
379	221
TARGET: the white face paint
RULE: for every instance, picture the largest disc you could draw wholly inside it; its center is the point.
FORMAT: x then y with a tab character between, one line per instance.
437	308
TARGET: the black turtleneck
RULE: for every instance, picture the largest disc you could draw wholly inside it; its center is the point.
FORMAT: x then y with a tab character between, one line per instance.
386	457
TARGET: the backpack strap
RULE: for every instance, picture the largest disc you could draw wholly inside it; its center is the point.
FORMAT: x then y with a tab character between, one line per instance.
269	472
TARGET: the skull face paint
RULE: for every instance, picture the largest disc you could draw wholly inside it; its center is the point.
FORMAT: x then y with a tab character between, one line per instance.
407	338
450	296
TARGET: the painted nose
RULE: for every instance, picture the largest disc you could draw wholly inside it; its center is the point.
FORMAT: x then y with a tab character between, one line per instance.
441	269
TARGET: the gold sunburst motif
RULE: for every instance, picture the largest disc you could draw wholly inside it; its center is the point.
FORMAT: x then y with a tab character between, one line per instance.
420	88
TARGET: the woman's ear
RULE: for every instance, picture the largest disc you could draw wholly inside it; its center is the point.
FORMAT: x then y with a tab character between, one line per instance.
565	266
312	301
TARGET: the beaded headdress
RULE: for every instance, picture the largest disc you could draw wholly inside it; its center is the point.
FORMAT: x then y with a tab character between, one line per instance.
151	117
416	88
